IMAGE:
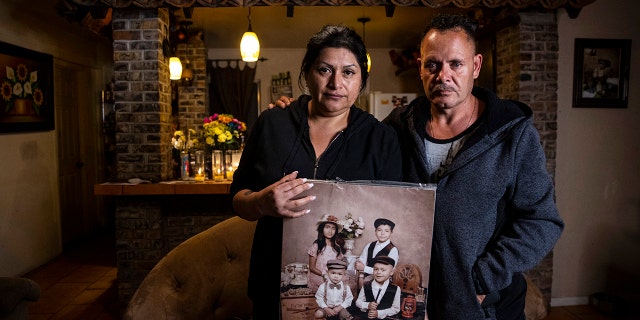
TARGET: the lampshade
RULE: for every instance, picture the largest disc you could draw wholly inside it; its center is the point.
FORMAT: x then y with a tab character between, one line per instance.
365	20
175	68
250	47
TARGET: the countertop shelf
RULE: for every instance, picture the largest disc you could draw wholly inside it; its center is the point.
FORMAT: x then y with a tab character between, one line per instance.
162	188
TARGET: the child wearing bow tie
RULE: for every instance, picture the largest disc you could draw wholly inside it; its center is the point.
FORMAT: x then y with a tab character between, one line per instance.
334	296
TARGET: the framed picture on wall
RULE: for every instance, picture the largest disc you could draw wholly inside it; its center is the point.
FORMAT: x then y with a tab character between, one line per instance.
601	73
26	89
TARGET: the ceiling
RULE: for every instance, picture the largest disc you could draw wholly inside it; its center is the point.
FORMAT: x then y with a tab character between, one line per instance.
290	23
223	27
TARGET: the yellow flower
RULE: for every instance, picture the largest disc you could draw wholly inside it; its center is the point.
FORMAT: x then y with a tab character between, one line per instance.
6	91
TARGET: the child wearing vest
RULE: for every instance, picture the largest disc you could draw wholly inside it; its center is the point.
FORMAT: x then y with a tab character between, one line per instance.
381	247
379	298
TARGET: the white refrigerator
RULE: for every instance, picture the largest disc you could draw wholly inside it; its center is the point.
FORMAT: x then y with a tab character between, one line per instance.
381	103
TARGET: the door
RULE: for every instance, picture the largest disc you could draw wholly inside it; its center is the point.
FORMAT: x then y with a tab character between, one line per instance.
74	102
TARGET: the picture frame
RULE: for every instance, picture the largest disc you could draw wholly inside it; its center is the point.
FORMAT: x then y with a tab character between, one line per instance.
355	207
601	73
26	90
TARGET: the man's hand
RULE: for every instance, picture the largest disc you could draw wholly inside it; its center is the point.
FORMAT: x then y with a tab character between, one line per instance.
282	102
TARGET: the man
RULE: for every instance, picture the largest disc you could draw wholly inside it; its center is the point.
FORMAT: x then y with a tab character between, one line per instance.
495	210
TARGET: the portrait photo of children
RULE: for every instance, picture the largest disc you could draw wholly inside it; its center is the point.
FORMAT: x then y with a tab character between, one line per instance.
361	224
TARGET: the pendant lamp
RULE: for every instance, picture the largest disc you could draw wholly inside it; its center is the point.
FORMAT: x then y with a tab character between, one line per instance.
365	20
249	45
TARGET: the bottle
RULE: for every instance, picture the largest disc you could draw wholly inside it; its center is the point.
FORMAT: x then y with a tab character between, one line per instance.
184	164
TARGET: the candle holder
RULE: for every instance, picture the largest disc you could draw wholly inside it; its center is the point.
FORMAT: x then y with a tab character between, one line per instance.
217	165
199	166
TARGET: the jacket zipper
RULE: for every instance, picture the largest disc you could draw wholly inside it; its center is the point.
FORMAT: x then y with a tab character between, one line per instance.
316	163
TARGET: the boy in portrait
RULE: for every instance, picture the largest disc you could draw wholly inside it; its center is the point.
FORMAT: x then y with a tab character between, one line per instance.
379	298
334	296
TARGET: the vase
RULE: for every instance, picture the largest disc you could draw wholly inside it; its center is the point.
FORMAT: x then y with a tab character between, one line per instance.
23	107
234	158
217	165
349	245
199	166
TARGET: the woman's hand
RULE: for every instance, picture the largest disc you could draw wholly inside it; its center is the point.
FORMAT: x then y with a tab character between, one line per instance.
282	102
276	200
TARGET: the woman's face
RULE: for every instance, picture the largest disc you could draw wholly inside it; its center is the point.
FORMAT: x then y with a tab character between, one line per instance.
334	81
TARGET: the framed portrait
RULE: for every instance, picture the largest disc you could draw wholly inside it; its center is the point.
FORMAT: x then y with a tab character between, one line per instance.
26	90
601	73
355	217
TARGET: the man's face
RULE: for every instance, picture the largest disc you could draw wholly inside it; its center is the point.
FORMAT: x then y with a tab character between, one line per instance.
382	272
383	232
448	66
335	275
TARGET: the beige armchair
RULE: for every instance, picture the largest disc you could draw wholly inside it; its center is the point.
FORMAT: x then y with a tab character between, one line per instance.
15	295
205	277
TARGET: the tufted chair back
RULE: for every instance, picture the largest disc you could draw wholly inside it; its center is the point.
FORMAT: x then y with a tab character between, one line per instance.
205	277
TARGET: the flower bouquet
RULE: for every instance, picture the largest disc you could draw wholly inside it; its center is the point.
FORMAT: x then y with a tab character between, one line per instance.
180	152
222	132
351	228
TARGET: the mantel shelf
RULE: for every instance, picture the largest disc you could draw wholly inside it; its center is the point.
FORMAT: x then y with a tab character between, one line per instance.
162	188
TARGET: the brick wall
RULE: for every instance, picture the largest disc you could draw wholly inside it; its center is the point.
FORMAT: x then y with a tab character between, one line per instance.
192	104
527	70
142	94
148	227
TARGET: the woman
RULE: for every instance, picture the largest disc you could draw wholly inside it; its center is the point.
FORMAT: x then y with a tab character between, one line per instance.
321	136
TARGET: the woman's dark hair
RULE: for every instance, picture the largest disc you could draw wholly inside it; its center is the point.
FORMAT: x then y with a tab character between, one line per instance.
331	36
321	238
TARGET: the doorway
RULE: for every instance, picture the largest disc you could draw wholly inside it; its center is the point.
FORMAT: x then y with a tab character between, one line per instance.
76	109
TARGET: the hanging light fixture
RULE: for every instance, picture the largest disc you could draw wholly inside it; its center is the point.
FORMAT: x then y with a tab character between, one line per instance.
249	45
175	68
365	20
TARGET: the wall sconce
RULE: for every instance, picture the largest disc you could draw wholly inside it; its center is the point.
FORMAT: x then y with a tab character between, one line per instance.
365	20
183	34
249	45
175	68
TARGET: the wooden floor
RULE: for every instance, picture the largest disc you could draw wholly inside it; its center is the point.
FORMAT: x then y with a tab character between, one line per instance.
79	284
82	284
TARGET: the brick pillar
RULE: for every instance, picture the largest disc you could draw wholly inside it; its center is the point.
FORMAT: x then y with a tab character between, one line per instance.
527	70
142	94
192	100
